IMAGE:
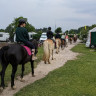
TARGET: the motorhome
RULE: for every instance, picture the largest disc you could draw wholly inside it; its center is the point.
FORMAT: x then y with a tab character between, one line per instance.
30	35
4	36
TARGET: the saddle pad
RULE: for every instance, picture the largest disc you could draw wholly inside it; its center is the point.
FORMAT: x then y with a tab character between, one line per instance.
28	50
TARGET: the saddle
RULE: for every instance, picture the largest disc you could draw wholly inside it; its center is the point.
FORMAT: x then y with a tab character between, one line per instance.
27	49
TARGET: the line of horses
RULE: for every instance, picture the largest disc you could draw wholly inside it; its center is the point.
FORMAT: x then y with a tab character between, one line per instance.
48	46
15	54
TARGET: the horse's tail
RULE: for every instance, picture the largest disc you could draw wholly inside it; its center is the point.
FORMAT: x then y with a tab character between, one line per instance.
46	50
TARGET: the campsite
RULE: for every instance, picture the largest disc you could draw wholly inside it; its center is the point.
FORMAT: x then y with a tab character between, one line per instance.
47	48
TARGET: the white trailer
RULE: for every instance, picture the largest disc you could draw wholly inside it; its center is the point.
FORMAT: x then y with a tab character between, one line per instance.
4	36
30	35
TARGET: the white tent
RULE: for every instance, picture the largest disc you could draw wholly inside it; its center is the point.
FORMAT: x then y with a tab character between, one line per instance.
89	37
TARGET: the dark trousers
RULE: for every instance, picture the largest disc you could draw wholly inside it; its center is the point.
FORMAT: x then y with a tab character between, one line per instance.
29	44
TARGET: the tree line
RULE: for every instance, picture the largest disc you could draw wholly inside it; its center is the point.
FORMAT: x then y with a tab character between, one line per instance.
82	31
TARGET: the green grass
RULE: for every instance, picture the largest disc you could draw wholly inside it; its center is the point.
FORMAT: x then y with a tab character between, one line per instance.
75	78
27	67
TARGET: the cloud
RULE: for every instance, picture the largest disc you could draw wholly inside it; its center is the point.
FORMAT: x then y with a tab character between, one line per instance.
43	13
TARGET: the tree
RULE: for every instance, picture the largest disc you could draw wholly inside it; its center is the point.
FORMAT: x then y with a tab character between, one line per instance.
2	30
58	30
29	27
10	29
66	31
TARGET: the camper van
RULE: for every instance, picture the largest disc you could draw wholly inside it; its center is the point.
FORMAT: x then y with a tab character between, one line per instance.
30	35
4	36
91	39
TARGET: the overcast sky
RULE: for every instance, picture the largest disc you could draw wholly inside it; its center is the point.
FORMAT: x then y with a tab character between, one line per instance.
68	14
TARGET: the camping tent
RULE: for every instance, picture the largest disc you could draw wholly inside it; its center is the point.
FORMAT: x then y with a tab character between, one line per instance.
91	39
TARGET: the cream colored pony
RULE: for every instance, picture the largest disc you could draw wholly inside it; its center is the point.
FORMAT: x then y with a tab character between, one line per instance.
58	44
48	47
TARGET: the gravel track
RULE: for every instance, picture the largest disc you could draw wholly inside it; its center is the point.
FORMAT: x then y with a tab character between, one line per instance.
43	69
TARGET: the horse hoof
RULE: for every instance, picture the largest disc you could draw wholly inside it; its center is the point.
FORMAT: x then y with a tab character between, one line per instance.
45	62
14	87
1	89
33	75
22	80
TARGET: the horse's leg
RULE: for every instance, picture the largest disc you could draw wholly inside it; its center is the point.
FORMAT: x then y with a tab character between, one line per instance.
22	74
14	69
49	61
4	66
32	68
52	55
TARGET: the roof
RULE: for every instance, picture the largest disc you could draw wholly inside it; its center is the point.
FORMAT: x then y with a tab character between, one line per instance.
33	33
3	33
93	30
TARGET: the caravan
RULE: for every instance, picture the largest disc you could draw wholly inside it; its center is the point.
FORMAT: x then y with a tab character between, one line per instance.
91	39
30	35
4	36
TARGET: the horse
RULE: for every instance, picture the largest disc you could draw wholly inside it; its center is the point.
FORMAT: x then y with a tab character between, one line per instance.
63	44
58	44
70	40
75	39
48	47
15	54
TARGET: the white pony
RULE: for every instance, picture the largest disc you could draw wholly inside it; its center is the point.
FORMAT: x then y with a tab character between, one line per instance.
48	47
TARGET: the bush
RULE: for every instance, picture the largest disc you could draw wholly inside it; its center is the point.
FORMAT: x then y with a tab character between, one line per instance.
37	36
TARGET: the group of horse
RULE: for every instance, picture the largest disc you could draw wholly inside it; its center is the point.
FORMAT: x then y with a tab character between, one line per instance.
16	54
48	46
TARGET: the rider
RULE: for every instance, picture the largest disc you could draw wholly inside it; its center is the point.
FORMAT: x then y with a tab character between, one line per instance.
63	37
23	37
50	34
58	36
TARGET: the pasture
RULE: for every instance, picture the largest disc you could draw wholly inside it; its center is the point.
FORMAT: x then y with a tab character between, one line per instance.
27	67
75	78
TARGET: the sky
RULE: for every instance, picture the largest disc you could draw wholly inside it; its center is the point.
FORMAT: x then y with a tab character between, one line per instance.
67	14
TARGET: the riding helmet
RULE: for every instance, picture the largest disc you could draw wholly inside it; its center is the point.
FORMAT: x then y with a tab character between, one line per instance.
22	21
49	28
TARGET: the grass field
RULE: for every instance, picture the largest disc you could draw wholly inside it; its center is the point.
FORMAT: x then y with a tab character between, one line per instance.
75	78
27	67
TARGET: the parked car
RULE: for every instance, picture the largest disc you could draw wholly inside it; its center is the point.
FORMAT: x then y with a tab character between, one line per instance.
4	36
43	37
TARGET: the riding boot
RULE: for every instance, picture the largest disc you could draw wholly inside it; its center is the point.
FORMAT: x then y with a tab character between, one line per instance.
33	55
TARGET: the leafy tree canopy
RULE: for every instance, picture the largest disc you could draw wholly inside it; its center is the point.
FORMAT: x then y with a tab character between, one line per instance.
58	30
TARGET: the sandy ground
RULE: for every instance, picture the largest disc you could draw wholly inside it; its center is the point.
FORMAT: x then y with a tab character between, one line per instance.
43	69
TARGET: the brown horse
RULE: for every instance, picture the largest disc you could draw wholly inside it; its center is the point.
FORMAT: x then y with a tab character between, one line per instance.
70	40
63	44
48	47
58	44
75	39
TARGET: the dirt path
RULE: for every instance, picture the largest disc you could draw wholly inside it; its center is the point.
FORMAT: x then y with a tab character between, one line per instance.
43	69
